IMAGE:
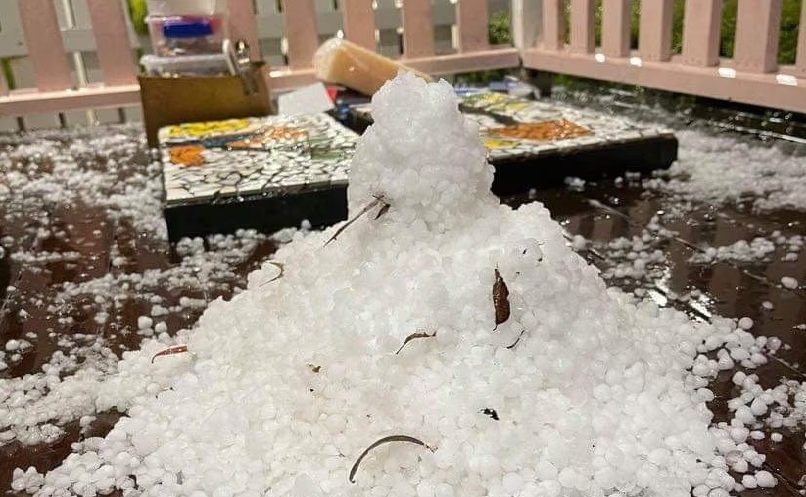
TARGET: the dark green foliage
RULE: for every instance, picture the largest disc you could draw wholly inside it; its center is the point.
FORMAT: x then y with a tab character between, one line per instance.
8	73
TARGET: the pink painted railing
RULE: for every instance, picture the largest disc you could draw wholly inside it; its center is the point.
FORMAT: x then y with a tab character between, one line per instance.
55	91
752	76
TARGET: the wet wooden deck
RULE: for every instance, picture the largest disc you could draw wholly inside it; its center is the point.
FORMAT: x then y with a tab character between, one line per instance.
730	290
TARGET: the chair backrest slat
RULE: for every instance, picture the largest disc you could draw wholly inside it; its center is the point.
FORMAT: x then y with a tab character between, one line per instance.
553	25
359	22
583	37
758	28
45	47
800	63
616	28
701	29
112	42
471	21
418	29
243	24
300	29
655	31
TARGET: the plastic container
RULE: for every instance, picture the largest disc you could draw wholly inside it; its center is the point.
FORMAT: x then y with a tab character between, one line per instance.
187	27
189	65
187	34
187	7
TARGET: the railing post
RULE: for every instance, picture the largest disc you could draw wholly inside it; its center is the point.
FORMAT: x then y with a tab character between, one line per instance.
553	25
243	24
527	19
758	28
471	21
701	28
418	29
112	42
655	33
359	22
583	34
616	28
800	63
40	28
300	29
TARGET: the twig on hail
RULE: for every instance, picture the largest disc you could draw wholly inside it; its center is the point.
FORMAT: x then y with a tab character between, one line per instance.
176	349
377	200
385	440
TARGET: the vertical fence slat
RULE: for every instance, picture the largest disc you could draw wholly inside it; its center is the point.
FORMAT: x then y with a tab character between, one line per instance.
701	28
583	37
527	19
655	30
45	48
300	29
471	21
418	28
616	28
800	63
359	22
758	28
553	25
243	25
112	42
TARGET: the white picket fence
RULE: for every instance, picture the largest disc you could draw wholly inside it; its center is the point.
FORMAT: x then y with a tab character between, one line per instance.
77	35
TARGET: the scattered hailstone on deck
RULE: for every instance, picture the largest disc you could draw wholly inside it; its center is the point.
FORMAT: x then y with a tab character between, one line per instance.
286	385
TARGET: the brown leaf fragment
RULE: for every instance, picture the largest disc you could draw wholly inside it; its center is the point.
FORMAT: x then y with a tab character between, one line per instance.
385	440
367	208
278	265
516	340
177	349
315	369
414	336
500	299
490	412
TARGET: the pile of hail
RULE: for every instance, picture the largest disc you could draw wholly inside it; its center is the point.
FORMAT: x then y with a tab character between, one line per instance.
438	344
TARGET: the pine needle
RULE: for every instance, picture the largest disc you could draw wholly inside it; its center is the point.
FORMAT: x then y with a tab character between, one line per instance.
278	265
414	336
367	208
177	349
385	440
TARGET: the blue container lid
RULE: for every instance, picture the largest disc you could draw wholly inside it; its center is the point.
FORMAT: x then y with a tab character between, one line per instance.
187	28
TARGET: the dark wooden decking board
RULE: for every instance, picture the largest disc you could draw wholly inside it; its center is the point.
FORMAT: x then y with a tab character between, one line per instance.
735	290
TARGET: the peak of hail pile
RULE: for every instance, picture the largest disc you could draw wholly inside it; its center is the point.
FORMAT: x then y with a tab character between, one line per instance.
440	344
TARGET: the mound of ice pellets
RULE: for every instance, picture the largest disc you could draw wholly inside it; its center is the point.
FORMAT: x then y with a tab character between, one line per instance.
287	384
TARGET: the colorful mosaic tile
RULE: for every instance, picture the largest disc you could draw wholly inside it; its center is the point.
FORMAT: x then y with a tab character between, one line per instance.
515	128
253	157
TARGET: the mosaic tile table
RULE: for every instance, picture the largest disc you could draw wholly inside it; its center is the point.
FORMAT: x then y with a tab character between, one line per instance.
266	173
275	171
534	142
